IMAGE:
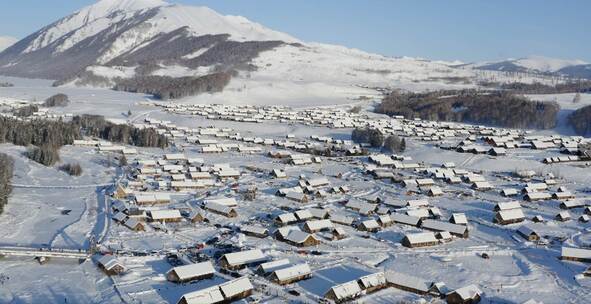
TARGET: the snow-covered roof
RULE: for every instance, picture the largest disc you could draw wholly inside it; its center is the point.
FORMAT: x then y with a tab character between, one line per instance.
219	208
225	201
346	290
254	229
292	272
165	214
193	270
468	292
508	205
341	219
370	224
511	214
405	280
576	252
373	280
244	257
318	212
109	261
297	236
421	237
287	218
209	295
235	287
303	214
443	226
526	230
405	219
274	265
460	218
317	225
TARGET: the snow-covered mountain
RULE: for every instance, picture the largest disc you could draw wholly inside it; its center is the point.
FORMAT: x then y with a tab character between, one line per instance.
539	64
109	29
6	41
140	45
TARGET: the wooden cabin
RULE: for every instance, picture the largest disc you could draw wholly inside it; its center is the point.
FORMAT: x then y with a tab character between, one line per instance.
256	231
470	294
241	259
191	272
291	274
110	265
165	216
373	282
344	292
511	216
369	226
421	239
576	254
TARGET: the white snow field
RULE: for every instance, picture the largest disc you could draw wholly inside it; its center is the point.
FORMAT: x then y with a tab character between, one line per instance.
50	210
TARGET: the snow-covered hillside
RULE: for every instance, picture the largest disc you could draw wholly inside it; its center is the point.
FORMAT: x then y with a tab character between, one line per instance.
6	41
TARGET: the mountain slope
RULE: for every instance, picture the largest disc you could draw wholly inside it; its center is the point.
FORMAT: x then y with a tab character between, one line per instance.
103	32
540	65
140	45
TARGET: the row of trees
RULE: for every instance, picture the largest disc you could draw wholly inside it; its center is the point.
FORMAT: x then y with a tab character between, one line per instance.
165	87
582	86
6	85
38	132
498	108
6	172
580	120
46	137
376	139
97	126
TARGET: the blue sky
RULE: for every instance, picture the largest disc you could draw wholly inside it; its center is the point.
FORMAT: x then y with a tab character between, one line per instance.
468	30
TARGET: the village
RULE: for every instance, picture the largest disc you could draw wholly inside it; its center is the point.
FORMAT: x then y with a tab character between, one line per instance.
225	214
274	204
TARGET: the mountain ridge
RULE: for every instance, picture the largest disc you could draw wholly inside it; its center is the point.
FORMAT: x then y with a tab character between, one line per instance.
574	68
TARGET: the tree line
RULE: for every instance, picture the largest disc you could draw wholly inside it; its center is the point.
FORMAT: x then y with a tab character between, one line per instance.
582	86
6	172
580	120
497	108
46	137
376	139
165	87
98	126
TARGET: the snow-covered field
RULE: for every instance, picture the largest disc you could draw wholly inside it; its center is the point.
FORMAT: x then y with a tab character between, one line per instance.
48	208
